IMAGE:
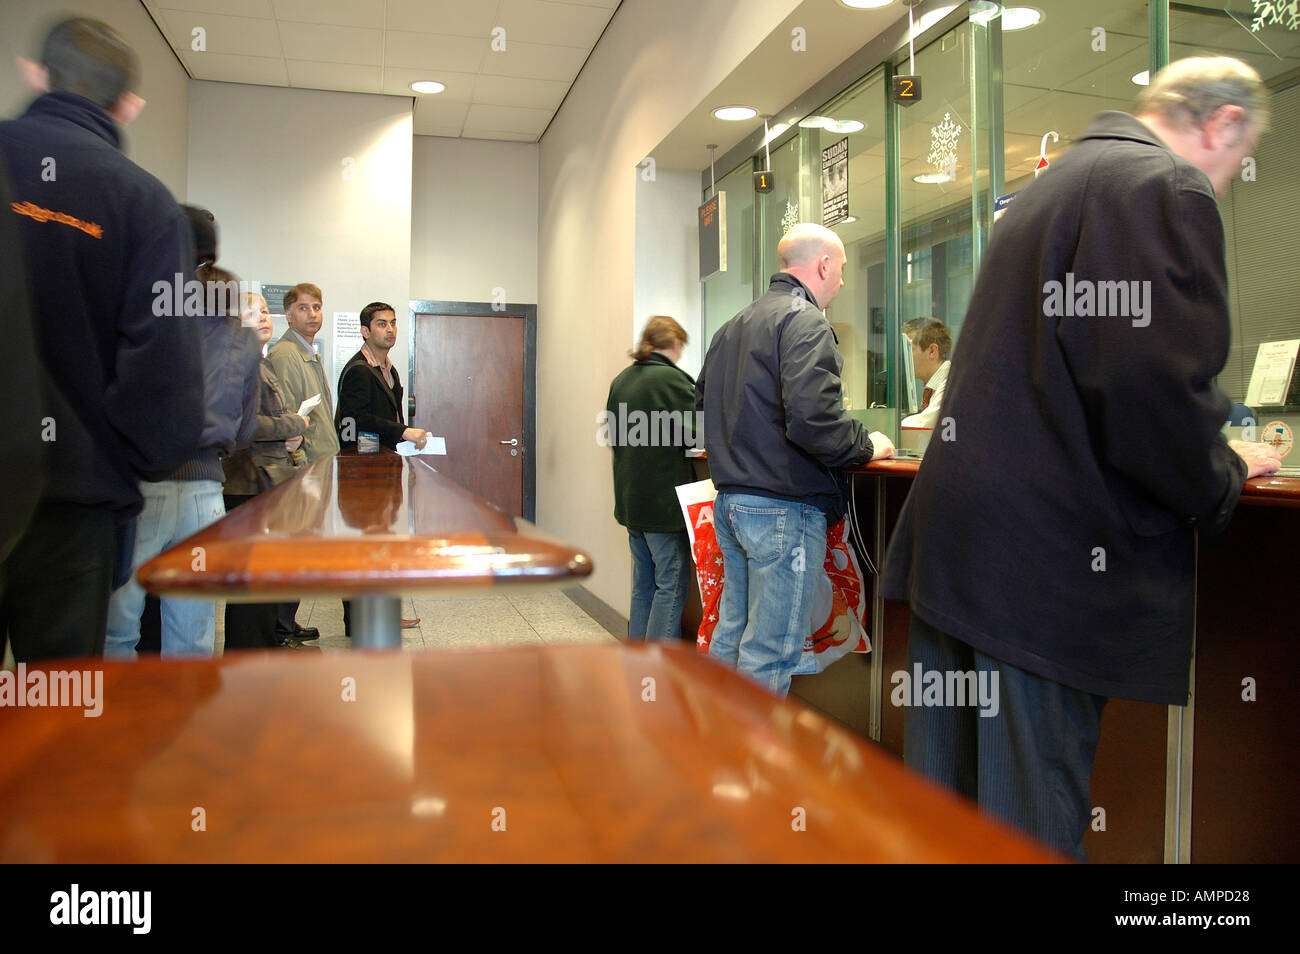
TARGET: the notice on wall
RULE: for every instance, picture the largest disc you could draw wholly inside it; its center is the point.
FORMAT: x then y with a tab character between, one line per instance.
347	337
1270	380
713	236
835	183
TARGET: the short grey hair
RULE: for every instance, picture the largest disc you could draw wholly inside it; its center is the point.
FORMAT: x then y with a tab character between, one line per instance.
1188	92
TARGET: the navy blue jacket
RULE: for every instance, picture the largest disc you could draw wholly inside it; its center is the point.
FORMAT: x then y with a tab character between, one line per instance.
1052	524
773	410
231	355
124	386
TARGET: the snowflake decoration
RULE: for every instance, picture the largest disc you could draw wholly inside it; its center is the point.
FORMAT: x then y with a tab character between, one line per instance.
1281	12
791	217
943	146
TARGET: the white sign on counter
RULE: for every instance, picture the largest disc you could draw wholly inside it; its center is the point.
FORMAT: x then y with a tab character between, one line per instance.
1271	378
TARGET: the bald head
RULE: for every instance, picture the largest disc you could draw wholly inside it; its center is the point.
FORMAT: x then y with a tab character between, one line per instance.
814	255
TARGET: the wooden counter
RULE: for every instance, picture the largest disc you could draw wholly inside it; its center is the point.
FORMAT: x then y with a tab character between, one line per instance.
359	524
1216	781
563	748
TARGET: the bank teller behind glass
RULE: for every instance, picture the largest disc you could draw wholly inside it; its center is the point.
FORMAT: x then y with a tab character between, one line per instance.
931	347
647	469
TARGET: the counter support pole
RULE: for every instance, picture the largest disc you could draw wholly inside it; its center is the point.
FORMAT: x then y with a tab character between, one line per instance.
377	622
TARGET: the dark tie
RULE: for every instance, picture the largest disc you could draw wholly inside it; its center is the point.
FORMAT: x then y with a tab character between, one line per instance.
925	397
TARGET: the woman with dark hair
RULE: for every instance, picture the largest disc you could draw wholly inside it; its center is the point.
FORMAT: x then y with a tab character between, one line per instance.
650	413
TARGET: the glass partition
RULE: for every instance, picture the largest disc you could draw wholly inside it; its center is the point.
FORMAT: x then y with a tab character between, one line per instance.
858	312
1000	95
729	291
1261	209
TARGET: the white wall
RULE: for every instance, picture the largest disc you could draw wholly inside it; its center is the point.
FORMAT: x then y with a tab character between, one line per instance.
309	186
655	62
473	220
157	140
667	275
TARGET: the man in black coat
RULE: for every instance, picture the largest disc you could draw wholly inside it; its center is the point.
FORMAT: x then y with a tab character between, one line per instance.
105	246
1092	340
370	389
370	399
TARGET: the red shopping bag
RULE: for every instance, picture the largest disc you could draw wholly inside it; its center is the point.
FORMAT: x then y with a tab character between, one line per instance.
839	603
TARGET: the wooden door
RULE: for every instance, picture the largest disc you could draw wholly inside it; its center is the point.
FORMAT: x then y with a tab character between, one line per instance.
469	387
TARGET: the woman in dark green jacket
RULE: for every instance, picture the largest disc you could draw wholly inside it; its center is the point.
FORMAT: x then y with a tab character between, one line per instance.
650	417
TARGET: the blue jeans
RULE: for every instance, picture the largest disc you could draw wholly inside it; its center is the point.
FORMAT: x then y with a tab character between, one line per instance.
765	613
173	510
661	584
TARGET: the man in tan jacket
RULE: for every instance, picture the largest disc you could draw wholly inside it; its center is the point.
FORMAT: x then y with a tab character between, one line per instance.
300	373
298	368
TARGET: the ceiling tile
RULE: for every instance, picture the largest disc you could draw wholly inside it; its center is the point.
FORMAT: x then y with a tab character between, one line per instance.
507	91
607	4
431	51
460	86
245	36
455	17
234	8
536	61
230	68
428	129
499	135
325	43
362	13
446	115
560	24
345	77
507	118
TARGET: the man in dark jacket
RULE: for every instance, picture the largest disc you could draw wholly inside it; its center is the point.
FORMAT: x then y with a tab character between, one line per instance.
370	389
370	400
124	393
1096	328
777	436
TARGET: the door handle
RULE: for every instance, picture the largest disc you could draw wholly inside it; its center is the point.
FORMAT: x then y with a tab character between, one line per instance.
513	442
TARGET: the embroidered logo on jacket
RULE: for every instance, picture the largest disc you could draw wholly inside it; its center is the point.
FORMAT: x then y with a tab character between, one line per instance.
33	211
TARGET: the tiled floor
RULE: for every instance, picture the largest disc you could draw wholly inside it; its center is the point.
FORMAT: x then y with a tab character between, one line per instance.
546	617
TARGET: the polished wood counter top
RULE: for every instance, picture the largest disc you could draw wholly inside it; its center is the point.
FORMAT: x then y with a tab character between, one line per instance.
611	753
360	524
1260	491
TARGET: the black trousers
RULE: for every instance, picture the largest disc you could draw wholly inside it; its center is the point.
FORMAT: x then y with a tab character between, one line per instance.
1024	751
55	585
249	625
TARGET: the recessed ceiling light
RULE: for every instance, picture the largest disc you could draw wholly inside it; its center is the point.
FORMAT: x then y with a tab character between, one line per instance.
866	4
929	178
735	112
428	86
1143	78
1020	18
982	11
843	126
814	122
847	220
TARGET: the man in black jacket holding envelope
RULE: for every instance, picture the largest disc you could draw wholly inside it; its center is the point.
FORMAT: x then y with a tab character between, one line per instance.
1065	576
370	400
370	389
